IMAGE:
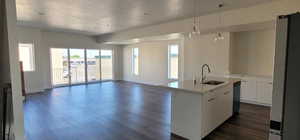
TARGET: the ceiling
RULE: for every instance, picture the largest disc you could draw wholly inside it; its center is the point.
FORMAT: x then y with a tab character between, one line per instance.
96	17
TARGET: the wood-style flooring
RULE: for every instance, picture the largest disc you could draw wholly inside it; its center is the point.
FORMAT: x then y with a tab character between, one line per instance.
123	111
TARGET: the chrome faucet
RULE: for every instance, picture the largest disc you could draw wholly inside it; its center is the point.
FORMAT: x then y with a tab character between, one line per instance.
202	72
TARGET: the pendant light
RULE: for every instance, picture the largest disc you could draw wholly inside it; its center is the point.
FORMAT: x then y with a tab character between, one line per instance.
196	22
219	35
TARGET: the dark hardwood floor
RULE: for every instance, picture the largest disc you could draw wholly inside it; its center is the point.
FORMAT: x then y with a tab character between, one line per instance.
123	111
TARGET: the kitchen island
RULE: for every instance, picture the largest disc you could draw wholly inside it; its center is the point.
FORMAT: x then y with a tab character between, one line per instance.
197	109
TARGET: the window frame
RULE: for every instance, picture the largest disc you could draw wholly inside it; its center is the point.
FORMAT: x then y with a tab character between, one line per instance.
169	61
133	63
31	56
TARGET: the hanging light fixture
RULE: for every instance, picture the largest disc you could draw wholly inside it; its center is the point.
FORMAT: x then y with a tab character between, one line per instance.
219	35
196	23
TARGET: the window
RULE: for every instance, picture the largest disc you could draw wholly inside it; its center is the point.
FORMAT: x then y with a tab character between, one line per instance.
135	61
73	66
106	64
26	55
173	51
93	65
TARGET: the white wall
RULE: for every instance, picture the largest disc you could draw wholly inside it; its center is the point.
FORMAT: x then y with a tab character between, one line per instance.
153	62
194	53
15	76
253	52
40	79
204	50
255	14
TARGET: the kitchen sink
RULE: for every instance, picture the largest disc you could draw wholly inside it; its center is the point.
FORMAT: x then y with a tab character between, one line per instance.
212	82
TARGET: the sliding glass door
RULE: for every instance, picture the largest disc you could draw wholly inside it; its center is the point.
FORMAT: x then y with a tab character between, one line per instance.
106	64
93	65
60	66
75	66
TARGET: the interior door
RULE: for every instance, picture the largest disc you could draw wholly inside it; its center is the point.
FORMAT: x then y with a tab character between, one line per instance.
59	66
77	66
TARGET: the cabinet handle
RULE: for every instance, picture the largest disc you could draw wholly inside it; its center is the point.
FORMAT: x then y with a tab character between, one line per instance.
211	99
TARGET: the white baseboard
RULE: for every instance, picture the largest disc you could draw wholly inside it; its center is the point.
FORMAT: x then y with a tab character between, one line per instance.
255	103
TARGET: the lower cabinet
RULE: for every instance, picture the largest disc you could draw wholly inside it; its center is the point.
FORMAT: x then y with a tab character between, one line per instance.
217	108
210	115
257	91
264	92
248	91
195	115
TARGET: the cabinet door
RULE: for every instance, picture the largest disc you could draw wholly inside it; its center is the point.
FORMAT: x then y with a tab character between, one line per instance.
209	115
227	104
224	104
252	96
244	89
264	92
248	91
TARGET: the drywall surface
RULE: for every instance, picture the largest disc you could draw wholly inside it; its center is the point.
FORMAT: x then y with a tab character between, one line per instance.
194	52
253	52
153	62
251	15
40	79
18	118
204	50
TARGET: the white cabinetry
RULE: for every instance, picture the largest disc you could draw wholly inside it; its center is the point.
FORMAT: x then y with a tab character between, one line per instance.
257	90
195	115
209	112
248	90
264	92
217	108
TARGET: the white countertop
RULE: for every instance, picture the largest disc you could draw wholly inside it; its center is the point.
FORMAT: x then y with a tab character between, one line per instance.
189	86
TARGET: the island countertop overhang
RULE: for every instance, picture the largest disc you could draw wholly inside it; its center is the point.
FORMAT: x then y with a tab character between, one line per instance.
199	88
